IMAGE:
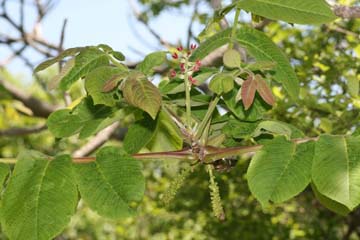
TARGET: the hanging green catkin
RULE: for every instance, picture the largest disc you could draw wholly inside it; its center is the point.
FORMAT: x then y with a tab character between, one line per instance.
215	196
175	185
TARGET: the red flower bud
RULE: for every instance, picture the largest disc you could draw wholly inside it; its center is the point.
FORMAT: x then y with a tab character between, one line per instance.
195	68
182	67
198	63
193	46
192	80
180	48
172	73
175	56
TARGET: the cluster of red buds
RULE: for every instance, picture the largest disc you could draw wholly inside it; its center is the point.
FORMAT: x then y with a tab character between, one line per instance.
187	68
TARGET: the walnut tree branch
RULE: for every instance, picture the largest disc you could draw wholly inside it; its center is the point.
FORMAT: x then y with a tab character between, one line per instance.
97	141
38	107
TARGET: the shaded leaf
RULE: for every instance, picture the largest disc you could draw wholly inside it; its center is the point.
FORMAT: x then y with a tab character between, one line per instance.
167	136
139	134
239	129
112	184
272	127
330	204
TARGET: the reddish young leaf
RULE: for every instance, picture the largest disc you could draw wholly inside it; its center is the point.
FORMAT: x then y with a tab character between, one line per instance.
248	90
264	90
109	85
112	83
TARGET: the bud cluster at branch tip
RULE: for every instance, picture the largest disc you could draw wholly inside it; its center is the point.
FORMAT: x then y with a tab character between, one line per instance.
187	68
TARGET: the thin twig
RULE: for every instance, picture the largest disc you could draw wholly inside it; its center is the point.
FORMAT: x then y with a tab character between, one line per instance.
146	24
14	132
96	141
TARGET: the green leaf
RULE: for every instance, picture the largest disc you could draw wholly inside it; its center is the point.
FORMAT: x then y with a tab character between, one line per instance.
232	58
273	127
63	123
261	48
330	204
238	129
336	169
167	136
106	48
4	171
172	87
118	55
152	60
51	61
113	184
41	197
261	66
210	29
254	113
87	60
353	86
63	72
141	93
85	119
96	80
221	83
139	134
280	170
294	11
211	44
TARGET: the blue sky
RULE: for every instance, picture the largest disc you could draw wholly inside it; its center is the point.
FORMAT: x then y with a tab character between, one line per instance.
112	22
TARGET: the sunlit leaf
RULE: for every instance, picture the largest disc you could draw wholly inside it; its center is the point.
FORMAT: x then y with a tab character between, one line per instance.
264	90
248	90
294	11
221	83
141	93
95	81
232	58
41	197
336	169
113	184
150	61
280	170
